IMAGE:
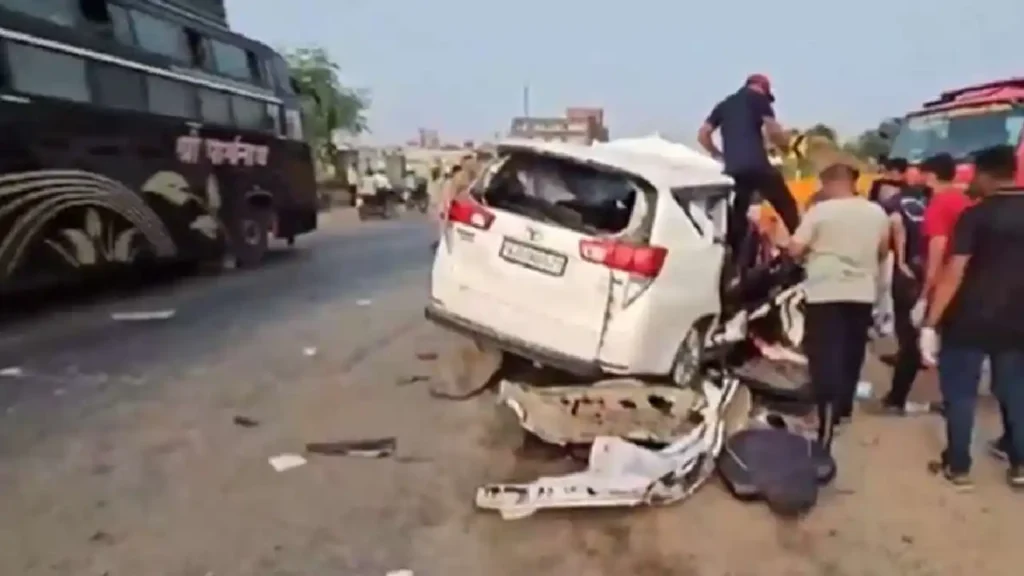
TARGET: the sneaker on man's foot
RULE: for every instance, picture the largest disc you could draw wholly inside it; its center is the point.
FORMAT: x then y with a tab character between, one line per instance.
959	480
998	451
1015	477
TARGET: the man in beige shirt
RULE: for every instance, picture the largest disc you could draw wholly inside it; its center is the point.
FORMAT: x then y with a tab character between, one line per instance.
842	240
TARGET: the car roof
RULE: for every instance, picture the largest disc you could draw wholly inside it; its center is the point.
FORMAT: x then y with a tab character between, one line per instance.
660	171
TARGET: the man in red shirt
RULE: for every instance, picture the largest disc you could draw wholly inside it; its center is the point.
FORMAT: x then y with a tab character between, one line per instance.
947	202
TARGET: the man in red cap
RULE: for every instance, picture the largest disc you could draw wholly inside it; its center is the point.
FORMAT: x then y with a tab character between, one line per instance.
742	119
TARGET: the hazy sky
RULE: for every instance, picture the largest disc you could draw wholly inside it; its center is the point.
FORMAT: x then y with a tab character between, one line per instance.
460	65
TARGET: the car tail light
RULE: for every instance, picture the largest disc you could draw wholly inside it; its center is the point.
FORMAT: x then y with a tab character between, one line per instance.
470	213
643	261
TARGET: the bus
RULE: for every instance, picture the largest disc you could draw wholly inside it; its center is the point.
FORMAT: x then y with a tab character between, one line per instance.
142	132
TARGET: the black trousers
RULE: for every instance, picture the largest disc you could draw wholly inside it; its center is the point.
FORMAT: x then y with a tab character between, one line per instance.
905	292
835	341
770	184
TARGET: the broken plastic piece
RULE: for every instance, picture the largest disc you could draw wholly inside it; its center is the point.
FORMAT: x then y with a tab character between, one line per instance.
246	422
402	572
864	389
284	462
620	473
309	351
364	302
142	316
372	448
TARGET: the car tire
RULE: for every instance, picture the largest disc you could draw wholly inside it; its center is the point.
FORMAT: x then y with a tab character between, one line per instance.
690	358
250	236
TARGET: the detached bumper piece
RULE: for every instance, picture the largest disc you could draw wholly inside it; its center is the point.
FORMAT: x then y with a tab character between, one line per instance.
621	473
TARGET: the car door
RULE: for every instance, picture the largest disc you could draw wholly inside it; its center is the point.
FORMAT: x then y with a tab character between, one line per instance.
522	268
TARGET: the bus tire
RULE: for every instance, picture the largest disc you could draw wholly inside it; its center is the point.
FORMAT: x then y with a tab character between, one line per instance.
250	233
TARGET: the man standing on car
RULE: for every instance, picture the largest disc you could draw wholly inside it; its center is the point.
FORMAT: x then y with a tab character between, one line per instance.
842	240
978	306
947	202
742	118
906	207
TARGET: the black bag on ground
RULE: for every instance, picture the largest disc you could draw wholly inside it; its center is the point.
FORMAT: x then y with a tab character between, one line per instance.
780	467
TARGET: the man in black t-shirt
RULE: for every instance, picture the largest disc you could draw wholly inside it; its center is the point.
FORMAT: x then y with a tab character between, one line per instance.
905	207
741	119
891	181
978	307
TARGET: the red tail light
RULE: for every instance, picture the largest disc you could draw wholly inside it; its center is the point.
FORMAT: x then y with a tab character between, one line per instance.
643	261
470	213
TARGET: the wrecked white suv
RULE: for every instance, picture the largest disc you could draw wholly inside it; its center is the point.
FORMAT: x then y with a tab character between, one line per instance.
595	260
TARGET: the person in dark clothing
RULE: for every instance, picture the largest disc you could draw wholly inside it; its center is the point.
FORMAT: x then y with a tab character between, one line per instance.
742	118
978	308
892	180
905	207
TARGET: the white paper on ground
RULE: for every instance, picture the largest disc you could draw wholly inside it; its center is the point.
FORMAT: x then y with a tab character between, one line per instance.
141	316
402	572
364	302
864	389
309	351
12	372
283	462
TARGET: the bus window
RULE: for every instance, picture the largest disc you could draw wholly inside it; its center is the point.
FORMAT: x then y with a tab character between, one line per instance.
255	69
214	107
118	87
171	98
45	73
230	60
293	124
56	11
198	52
283	75
250	114
122	25
160	37
274	113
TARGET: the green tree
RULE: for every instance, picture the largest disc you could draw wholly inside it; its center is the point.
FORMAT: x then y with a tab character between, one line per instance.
822	131
876	142
328	105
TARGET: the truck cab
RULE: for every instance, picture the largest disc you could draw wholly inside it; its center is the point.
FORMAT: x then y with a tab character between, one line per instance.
962	122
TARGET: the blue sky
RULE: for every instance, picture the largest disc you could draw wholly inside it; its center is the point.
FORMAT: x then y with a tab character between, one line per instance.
459	65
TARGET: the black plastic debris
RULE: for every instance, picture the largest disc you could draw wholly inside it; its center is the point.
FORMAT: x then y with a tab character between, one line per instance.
370	448
426	356
407	380
246	422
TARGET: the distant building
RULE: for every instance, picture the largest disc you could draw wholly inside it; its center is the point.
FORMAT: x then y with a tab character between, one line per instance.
429	138
579	125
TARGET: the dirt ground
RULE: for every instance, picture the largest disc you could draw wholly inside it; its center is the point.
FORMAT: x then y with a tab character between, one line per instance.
163	483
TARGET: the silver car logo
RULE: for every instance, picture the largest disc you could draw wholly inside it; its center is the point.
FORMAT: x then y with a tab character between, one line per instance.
533	233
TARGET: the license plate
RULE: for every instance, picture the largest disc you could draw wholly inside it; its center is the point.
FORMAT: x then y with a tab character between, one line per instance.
533	257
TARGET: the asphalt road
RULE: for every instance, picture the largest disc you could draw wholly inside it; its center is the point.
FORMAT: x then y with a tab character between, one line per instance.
121	455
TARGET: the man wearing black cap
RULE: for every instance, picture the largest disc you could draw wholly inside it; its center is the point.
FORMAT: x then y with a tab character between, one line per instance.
742	118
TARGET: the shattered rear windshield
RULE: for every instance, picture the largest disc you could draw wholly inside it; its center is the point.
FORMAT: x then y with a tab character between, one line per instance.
561	192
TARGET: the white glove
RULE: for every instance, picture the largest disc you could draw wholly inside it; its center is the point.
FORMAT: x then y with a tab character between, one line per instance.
917	312
929	344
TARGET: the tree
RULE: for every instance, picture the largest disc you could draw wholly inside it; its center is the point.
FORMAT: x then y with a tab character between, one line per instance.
328	105
823	132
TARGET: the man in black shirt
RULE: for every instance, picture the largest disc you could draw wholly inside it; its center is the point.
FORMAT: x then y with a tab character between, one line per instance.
742	118
978	306
891	181
905	207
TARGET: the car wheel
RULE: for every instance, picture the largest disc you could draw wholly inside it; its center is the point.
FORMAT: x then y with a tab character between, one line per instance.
690	357
250	237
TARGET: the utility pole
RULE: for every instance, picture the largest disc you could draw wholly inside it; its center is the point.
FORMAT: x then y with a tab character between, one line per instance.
526	100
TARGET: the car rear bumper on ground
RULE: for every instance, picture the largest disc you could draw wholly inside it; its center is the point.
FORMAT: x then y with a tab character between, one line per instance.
488	337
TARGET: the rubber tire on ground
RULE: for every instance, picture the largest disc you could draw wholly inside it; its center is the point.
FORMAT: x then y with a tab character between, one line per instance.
685	368
250	237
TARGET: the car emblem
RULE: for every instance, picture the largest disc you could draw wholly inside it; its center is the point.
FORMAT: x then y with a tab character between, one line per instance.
533	233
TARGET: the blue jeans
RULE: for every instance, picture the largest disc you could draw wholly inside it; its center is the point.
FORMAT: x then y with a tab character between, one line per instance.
959	377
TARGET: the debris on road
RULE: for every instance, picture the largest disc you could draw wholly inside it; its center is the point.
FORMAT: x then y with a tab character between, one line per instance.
12	372
426	356
621	473
864	389
143	316
309	351
370	448
364	302
407	380
101	537
471	371
284	462
402	572
246	422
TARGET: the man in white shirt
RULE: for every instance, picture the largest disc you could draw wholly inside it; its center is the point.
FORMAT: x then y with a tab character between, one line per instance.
843	239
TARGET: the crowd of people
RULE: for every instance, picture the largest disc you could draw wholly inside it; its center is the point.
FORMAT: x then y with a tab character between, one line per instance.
950	252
